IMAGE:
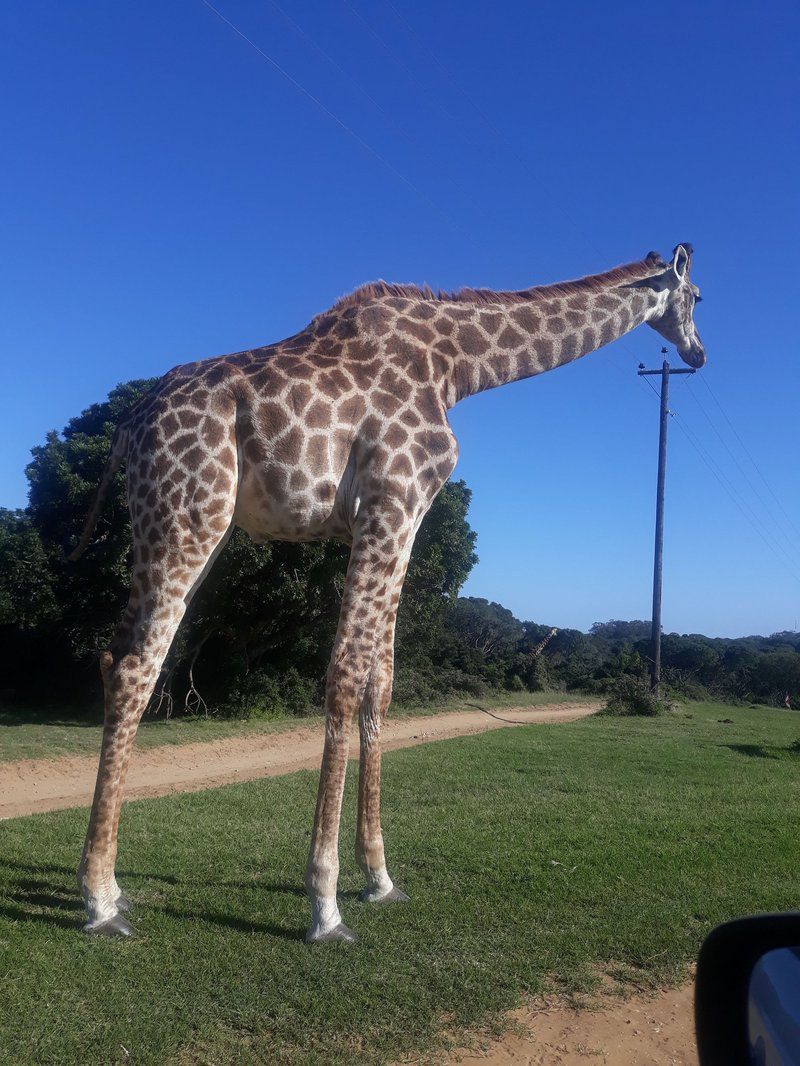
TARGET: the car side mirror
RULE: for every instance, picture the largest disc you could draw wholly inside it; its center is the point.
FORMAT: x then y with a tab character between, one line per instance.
747	998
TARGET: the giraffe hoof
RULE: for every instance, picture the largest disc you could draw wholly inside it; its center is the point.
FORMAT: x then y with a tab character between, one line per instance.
116	926
339	934
124	904
394	895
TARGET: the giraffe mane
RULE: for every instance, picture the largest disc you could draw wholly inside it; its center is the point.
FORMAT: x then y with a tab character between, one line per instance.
621	275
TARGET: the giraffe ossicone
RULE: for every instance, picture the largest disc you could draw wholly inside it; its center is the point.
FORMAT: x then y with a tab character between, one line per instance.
339	431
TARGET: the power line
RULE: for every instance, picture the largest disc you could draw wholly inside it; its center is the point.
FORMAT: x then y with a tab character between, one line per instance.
739	466
334	117
747	452
723	481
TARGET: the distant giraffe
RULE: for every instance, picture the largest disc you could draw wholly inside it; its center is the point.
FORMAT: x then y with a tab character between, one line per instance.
340	431
537	651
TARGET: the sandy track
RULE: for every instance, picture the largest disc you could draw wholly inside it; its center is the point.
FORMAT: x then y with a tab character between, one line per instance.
32	785
641	1031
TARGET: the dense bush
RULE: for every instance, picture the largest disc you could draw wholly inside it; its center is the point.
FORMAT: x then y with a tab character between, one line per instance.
633	697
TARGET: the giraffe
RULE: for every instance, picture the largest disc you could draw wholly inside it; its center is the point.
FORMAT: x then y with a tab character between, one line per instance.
339	431
537	651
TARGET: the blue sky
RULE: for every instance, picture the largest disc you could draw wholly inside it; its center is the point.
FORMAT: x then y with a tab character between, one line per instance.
168	194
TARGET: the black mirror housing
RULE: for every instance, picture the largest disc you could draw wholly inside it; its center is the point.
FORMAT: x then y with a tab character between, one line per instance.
722	991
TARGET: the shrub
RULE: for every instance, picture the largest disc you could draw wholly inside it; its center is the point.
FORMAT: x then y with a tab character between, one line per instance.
264	694
632	696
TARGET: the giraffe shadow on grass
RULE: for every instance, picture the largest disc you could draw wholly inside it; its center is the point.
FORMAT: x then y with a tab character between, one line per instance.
50	902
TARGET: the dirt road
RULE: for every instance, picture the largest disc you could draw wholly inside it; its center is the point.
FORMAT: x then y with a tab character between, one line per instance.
640	1031
33	785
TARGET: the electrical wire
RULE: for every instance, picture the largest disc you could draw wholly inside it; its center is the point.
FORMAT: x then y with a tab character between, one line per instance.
335	118
747	452
725	484
739	466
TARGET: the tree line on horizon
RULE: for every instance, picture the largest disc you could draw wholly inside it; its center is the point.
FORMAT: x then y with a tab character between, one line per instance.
257	636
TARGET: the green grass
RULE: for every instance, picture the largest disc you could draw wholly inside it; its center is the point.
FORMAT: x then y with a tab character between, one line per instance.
535	857
26	734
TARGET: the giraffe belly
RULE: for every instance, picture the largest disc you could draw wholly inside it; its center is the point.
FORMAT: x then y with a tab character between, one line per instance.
276	511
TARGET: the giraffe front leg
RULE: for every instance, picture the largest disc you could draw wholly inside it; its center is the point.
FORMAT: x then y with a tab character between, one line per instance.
379	887
368	599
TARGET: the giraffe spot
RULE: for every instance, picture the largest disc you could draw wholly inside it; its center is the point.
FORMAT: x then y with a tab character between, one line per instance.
510	338
556	325
385	402
298	481
377	319
351	410
370	428
183	443
212	432
193	458
389	379
317	454
403	350
395	436
410	417
574	319
445	325
446	347
606	301
188	418
271	419
501	365
331	349
217	375
298	397
208	473
401	466
346	327
422	311
333	383
544	350
318	415
417	329
428	405
528	321
170	425
304	370
589	340
607	332
490	321
325	491
471	340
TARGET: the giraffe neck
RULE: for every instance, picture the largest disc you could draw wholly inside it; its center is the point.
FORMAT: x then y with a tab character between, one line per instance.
507	341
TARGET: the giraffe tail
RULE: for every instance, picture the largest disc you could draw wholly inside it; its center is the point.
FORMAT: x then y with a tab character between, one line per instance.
119	449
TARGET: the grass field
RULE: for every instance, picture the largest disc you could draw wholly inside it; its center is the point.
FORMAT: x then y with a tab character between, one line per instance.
535	857
26	734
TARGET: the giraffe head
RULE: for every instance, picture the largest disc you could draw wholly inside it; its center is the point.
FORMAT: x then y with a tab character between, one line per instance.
674	316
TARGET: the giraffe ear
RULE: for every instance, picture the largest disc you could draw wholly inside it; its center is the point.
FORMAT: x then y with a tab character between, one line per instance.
681	258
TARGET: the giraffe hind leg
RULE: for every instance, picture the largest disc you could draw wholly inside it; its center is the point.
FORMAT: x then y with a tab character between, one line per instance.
160	592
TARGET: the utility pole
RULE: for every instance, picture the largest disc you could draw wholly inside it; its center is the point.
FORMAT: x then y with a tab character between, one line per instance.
665	371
